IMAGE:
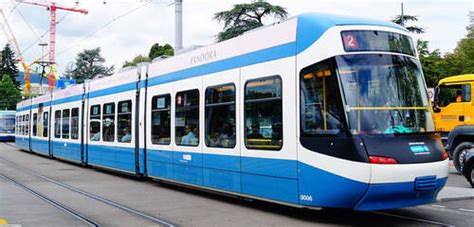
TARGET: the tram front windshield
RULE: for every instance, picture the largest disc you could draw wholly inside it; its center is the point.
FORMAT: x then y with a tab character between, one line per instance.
384	94
7	124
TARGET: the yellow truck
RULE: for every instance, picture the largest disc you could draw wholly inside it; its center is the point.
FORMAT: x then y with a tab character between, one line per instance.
453	113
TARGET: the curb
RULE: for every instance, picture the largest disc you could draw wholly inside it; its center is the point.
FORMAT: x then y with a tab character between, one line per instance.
455	199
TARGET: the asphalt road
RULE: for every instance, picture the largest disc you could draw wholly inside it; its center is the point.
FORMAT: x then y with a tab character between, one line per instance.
111	199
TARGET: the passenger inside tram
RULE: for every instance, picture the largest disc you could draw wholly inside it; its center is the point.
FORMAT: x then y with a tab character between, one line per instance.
277	136
226	137
95	136
255	132
189	138
127	136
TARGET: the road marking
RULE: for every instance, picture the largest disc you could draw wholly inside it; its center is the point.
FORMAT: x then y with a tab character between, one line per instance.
443	209
438	206
413	219
468	210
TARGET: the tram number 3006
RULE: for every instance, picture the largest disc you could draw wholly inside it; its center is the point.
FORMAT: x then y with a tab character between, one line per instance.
187	157
306	197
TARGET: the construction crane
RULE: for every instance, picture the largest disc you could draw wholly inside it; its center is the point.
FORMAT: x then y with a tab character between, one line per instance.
13	42
52	7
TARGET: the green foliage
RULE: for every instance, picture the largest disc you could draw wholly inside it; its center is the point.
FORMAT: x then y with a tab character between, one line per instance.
436	66
463	55
156	51
138	59
407	18
89	64
10	94
431	62
245	17
8	64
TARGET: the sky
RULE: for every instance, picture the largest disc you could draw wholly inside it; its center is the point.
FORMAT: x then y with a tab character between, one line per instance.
126	28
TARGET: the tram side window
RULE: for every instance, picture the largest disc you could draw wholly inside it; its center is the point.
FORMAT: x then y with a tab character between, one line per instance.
45	124
75	123
94	127
66	123
35	124
22	118
124	122
57	124
27	127
263	114
187	118
20	123
17	123
220	116
161	119
319	107
23	127
40	126
108	122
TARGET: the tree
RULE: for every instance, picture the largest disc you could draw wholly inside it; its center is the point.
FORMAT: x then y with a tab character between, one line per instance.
245	17
138	59
406	18
431	62
89	64
461	61
156	51
8	64
10	94
436	66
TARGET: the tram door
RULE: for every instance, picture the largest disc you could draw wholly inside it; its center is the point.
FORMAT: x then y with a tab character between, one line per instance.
188	130
158	131
269	161
221	153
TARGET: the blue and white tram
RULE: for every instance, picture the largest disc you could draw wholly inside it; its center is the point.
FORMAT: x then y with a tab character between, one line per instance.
7	126
316	111
39	136
22	132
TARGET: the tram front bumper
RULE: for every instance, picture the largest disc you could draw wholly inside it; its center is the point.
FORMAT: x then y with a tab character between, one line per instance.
398	195
404	185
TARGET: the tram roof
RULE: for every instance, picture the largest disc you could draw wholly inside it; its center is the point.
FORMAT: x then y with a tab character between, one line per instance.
291	36
279	40
7	112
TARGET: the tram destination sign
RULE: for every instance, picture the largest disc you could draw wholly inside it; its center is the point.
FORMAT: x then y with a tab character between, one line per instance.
368	40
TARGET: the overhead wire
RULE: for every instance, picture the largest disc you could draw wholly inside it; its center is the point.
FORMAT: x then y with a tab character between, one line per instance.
12	9
44	33
28	23
39	38
84	38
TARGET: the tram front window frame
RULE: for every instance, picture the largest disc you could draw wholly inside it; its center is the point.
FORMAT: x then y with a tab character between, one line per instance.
397	102
7	123
337	108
